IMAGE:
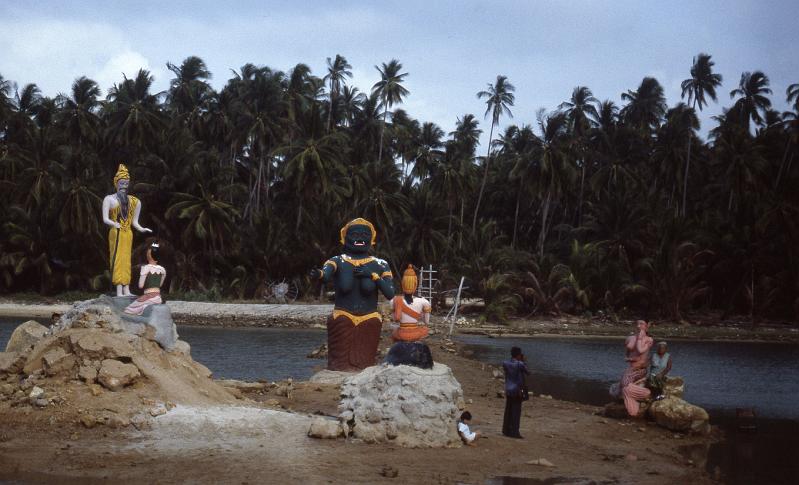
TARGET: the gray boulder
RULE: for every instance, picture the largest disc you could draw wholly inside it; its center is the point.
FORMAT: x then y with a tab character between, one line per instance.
155	323
25	336
409	406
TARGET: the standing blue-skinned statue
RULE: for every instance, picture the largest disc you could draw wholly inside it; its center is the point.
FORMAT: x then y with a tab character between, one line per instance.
353	330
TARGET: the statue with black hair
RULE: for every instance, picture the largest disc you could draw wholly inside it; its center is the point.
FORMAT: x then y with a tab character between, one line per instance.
151	278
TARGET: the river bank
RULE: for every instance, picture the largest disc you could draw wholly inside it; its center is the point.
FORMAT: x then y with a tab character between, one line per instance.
315	315
263	435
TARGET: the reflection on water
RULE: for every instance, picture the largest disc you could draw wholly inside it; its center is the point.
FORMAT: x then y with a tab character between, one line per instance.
720	376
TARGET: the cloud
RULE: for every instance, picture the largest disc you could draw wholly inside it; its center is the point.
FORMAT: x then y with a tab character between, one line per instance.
126	63
53	53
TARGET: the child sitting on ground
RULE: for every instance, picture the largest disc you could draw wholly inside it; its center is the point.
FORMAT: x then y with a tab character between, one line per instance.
468	436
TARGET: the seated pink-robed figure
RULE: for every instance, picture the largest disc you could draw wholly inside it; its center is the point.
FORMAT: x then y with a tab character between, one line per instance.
150	280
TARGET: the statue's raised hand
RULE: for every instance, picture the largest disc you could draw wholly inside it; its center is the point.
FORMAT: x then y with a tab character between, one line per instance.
315	273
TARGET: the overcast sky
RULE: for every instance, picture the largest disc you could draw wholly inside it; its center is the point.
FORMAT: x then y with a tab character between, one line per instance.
450	50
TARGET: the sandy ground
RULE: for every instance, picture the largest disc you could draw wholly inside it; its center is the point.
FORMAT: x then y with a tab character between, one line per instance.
262	439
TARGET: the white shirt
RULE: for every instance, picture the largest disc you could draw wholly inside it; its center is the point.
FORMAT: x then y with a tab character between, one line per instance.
468	435
420	306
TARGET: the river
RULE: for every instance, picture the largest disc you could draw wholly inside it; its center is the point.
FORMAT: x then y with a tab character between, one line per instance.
720	376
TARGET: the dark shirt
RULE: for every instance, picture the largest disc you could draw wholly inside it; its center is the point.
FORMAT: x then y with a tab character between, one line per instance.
515	371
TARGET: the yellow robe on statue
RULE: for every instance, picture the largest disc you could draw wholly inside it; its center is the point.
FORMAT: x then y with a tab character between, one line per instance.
120	253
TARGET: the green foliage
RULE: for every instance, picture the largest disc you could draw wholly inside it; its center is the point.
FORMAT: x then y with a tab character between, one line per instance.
592	206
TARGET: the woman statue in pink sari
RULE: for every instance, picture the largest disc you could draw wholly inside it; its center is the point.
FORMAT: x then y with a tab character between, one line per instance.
632	382
150	280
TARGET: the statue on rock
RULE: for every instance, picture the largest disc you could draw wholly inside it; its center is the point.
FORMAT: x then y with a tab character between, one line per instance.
121	212
150	280
353	331
408	311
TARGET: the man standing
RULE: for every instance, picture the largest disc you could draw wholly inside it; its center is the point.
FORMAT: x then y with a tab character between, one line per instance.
515	370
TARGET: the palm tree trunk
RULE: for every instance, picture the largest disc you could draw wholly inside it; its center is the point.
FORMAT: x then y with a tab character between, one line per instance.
782	164
330	110
685	176
382	129
299	216
687	167
580	206
460	232
449	222
544	215
485	176
516	214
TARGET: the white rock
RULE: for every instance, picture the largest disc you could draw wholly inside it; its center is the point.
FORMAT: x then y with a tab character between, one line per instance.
406	405
36	392
541	462
325	428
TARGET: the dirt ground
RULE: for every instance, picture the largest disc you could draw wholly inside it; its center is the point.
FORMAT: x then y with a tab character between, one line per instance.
251	442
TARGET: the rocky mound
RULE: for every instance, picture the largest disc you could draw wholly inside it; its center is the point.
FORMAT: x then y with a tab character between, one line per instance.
409	406
672	412
100	366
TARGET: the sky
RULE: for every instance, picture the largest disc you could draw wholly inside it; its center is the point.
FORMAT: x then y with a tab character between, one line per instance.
450	49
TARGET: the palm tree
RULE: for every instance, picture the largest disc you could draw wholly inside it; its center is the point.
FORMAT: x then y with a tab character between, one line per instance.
524	148
189	90
350	100
134	114
646	106
79	111
390	90
555	174
499	98
337	70
312	163
580	111
703	82
752	89
428	151
681	122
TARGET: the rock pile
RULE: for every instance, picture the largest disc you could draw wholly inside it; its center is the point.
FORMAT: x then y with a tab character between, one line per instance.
409	406
672	412
107	368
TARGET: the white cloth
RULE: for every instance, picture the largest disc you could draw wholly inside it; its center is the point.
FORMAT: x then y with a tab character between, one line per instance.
467	434
420	306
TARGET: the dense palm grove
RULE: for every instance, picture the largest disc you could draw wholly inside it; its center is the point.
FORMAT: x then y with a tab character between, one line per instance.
593	206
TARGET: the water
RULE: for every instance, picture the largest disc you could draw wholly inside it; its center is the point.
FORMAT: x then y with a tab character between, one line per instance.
255	353
719	376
